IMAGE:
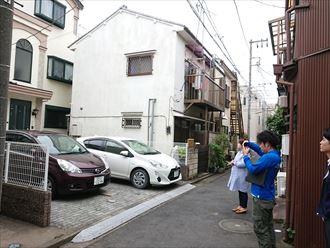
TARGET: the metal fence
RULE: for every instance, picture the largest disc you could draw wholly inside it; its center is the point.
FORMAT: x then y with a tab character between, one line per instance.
26	165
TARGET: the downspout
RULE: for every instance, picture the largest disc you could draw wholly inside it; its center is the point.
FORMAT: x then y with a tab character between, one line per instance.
289	182
151	117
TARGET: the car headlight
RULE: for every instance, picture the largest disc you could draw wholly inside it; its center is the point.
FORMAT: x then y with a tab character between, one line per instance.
68	167
158	165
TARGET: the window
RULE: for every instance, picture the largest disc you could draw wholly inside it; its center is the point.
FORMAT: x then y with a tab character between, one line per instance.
23	61
244	101
18	138
139	65
227	96
129	122
59	69
51	11
96	144
113	147
55	117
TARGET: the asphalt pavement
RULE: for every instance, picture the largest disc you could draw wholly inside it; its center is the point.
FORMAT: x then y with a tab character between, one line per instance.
201	217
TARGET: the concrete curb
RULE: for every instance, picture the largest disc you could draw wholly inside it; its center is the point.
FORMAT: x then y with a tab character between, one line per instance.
111	223
201	178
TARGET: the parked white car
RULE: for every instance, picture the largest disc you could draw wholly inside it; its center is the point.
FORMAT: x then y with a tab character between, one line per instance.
134	161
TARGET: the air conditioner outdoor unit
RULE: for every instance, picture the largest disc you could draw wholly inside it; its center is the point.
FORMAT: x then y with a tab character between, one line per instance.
285	144
283	101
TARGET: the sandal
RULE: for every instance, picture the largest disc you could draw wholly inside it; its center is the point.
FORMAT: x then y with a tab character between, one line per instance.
241	211
237	208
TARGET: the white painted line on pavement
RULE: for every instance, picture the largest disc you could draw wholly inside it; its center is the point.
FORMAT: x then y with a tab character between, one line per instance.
111	223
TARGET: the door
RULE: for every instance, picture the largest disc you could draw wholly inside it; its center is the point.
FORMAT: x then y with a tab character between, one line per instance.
19	115
119	164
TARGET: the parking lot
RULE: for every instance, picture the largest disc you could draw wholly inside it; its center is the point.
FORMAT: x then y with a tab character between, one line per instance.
78	211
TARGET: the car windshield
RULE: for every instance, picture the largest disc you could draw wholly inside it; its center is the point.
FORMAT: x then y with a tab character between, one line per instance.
61	144
140	147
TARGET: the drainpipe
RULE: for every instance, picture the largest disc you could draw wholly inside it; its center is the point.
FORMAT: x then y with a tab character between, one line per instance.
151	117
290	179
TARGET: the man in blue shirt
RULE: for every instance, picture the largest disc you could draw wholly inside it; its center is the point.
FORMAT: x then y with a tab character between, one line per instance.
263	192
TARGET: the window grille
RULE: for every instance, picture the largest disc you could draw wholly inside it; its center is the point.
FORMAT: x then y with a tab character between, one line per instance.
139	65
131	122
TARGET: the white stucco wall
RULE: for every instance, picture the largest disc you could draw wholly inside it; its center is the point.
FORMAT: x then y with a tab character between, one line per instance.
256	113
102	89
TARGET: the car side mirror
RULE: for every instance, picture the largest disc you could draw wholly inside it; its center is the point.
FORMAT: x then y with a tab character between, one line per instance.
124	153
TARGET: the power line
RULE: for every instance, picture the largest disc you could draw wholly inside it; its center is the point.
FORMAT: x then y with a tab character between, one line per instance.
270	5
209	17
240	23
193	9
268	73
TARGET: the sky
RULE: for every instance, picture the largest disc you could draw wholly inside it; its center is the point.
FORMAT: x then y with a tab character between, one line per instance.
254	16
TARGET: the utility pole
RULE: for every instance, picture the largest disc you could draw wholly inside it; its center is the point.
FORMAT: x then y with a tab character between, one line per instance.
261	41
6	28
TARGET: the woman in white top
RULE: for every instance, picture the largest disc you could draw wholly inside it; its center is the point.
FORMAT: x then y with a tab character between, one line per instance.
237	180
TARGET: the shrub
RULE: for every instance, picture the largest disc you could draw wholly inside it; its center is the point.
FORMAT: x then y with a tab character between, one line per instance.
217	154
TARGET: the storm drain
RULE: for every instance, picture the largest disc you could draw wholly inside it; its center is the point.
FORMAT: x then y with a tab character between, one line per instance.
236	225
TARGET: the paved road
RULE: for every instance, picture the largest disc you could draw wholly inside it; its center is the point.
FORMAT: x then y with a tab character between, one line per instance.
191	220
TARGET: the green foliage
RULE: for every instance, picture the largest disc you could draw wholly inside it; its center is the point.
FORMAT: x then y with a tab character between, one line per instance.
291	232
181	152
276	122
218	146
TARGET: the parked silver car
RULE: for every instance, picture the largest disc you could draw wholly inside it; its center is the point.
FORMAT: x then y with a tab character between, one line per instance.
134	161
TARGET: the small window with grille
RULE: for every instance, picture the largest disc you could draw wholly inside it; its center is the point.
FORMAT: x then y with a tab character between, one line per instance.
139	64
129	122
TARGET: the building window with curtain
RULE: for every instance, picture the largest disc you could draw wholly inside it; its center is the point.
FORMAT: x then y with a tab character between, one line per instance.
59	69
23	61
56	117
51	11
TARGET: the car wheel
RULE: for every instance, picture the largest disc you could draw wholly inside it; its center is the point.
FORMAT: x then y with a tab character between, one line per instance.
51	186
140	179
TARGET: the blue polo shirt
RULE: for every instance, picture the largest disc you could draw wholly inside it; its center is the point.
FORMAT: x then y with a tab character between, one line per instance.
271	161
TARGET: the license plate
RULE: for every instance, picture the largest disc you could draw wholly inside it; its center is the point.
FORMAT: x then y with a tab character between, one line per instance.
176	173
98	180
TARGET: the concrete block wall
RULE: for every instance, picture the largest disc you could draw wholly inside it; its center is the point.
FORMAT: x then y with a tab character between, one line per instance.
26	204
190	169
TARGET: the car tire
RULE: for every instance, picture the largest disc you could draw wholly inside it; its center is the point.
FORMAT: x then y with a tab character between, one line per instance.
51	186
140	179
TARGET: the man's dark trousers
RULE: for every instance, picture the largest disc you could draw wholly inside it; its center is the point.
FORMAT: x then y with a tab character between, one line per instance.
263	222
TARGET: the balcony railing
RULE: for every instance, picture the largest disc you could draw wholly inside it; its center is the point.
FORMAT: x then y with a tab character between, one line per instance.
202	89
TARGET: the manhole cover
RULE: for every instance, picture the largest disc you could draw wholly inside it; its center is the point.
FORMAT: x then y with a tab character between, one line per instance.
236	225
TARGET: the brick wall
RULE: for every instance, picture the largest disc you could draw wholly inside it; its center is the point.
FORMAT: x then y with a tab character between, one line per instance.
26	204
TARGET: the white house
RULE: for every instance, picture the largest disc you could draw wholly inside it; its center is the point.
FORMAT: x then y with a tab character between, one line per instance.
143	77
260	110
41	64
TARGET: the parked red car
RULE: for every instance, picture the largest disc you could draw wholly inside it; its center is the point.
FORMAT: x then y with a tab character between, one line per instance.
71	167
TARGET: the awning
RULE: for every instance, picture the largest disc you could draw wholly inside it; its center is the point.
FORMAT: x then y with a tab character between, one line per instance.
179	114
30	91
